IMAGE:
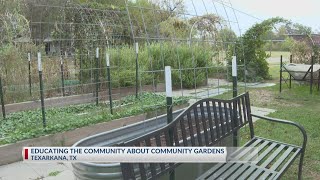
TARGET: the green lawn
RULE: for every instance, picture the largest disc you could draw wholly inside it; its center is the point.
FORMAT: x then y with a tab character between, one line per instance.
297	105
277	54
274	71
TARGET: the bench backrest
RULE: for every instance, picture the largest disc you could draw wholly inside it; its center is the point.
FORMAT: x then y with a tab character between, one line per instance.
205	123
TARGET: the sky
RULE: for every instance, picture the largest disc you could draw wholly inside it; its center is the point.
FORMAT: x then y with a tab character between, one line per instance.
306	12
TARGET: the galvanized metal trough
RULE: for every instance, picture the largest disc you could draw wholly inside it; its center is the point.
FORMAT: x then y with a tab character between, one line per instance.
94	171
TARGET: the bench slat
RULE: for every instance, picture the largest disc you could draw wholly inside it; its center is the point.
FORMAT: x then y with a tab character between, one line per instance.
167	138
127	171
233	169
226	114
142	171
239	171
240	112
221	123
183	132
175	136
221	170
266	152
158	143
196	118
204	125
273	156
191	129
282	158
211	171
152	165
256	173
244	109
210	121
248	172
241	153
216	122
288	163
267	174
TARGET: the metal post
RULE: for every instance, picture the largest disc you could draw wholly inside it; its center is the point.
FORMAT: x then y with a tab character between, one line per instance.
81	80
2	100
280	74
169	109
235	93
137	66
29	69
311	76
319	81
109	81
290	78
41	91
97	77
62	76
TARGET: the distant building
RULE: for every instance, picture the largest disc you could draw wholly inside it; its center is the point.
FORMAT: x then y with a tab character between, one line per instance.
21	42
51	46
314	39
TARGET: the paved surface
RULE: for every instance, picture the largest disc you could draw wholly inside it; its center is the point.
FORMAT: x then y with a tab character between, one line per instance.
261	112
36	171
58	171
257	85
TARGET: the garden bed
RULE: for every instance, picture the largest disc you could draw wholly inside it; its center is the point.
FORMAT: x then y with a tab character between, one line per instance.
28	124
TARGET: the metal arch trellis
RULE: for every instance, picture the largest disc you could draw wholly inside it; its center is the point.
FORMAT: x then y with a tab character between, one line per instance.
74	30
79	29
148	37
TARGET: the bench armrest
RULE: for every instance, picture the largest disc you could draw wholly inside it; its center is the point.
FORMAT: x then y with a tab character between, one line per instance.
303	131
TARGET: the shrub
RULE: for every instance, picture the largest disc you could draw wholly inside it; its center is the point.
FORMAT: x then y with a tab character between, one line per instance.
152	60
250	51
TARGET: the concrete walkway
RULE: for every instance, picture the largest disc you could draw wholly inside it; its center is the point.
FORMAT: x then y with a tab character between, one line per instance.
36	171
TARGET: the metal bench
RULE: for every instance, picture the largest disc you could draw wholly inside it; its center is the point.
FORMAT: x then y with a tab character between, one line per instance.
208	122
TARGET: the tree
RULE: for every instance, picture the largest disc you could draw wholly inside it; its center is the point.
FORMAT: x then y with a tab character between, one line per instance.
250	52
296	28
175	28
227	37
207	25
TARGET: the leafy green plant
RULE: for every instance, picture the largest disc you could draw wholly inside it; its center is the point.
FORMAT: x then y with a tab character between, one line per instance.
250	51
27	124
152	60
